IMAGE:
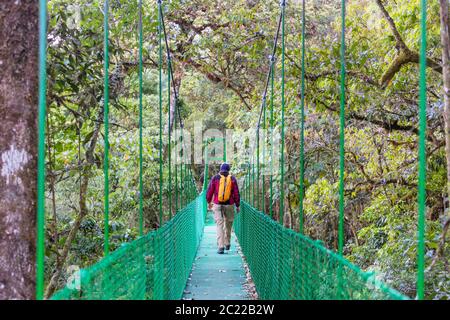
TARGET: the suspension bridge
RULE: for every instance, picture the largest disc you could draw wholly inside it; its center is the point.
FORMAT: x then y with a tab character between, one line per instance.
283	264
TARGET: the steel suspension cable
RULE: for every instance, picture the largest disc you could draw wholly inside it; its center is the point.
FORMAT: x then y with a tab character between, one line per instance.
161	221
263	107
272	61
141	170
169	55
264	159
183	167
302	125
269	80
176	167
181	158
106	121
176	95
342	135
341	155
272	97
253	180
170	68
283	53
42	113
170	139
182	175
248	182
422	154
264	99
258	140
245	189
206	170
225	149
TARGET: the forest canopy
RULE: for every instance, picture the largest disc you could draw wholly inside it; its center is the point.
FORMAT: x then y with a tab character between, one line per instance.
221	52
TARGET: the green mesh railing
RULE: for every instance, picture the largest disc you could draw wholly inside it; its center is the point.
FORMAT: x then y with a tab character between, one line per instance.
155	266
286	265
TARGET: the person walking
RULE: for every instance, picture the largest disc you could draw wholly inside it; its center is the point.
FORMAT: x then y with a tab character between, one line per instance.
222	196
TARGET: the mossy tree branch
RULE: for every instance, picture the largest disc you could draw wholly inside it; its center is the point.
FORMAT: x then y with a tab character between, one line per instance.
404	56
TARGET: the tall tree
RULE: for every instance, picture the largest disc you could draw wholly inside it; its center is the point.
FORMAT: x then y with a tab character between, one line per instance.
444	15
445	41
18	147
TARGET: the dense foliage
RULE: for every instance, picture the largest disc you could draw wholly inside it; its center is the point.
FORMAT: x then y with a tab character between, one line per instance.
221	51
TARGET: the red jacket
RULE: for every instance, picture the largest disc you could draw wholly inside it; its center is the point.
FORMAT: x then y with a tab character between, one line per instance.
213	191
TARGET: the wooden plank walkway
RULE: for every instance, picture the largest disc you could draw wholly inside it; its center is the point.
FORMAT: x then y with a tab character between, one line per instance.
215	276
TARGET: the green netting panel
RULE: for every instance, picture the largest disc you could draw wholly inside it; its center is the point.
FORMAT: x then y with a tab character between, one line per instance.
286	265
155	266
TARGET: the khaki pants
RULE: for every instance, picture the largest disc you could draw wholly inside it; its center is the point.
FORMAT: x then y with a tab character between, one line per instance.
224	216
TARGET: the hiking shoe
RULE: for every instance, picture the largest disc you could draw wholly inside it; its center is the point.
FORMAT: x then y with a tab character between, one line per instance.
220	251
227	247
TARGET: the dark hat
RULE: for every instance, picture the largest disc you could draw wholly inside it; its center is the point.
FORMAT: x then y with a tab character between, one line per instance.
224	167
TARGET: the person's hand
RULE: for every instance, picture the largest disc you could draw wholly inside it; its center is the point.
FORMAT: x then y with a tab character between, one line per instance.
210	206
238	209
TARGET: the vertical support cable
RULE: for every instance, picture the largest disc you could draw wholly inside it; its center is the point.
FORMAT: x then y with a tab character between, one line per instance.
160	200
169	63
253	181
302	125
176	171
264	105
206	170
283	52
40	245
194	189
106	121
176	162
225	148
182	195
342	136
422	155
244	185
341	154
186	178
160	115
263	191
248	182
205	180
244	189
141	171
191	186
272	97
258	151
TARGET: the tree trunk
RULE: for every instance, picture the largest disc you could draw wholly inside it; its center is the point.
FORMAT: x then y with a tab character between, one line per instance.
446	77
18	147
